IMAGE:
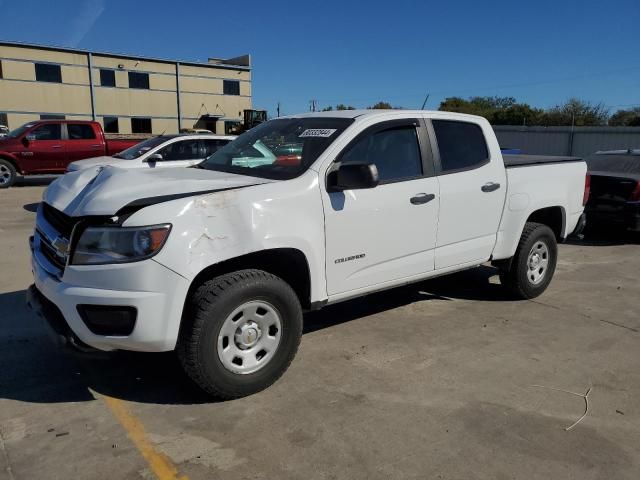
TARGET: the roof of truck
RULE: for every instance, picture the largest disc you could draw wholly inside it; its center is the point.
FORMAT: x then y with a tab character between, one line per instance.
366	113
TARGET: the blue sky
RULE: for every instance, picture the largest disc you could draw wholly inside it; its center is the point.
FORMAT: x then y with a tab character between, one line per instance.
541	52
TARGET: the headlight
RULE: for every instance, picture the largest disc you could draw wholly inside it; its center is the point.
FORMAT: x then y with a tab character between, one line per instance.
99	245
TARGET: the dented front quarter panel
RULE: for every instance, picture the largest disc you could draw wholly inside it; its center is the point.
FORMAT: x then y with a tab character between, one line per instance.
211	228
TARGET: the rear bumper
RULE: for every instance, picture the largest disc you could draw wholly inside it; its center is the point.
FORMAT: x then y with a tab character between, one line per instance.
624	215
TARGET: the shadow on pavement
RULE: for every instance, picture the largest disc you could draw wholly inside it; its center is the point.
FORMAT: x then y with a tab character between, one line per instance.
36	370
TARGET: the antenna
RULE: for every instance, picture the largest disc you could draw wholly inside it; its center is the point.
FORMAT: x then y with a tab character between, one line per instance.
424	104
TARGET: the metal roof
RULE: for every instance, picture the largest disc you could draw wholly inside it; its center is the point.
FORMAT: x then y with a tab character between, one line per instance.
228	66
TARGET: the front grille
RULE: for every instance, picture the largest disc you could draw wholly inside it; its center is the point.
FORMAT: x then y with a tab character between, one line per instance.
58	220
49	253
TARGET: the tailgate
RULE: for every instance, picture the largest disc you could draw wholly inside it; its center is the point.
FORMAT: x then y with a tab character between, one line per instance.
610	189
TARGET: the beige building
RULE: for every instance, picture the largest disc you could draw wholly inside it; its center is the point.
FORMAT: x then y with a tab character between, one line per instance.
126	94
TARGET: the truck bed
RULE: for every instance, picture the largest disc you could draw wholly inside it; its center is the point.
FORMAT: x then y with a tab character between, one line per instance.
527	160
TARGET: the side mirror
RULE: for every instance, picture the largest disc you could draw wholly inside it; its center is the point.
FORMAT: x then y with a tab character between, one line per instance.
353	176
28	139
154	157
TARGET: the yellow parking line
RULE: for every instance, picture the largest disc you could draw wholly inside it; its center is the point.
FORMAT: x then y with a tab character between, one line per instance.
159	463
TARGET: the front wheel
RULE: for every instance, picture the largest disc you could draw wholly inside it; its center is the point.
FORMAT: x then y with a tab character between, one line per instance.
7	173
532	267
240	333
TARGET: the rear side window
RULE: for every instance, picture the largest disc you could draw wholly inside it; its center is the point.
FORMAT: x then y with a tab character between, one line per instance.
78	131
462	145
395	152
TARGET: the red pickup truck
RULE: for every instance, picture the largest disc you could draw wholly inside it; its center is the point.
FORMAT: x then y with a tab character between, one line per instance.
48	146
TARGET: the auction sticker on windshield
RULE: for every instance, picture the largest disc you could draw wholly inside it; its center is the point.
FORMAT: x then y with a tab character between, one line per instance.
317	132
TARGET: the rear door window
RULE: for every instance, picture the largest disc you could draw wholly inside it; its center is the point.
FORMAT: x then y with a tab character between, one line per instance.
80	131
462	145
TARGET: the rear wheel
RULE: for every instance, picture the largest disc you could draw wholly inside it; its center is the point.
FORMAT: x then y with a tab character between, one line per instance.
7	173
240	333
532	267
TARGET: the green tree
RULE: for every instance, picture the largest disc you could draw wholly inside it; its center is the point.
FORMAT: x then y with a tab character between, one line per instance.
626	118
381	106
576	112
342	106
328	109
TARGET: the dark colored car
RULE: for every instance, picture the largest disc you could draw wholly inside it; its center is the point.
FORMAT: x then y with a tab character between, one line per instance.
614	200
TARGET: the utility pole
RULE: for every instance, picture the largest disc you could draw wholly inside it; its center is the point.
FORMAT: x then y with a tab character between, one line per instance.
312	105
278	109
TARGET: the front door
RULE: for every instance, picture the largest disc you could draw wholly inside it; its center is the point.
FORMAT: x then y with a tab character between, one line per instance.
45	151
181	153
388	232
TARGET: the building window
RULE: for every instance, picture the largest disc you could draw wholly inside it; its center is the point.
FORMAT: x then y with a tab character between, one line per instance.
80	131
107	78
110	124
1	69
231	87
230	127
139	80
3	120
46	72
52	117
141	125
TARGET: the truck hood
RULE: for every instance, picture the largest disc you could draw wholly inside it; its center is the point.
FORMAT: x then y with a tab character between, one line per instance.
105	190
101	161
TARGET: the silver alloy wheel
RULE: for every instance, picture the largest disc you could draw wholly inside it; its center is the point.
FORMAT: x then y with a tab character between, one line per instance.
5	174
249	337
537	262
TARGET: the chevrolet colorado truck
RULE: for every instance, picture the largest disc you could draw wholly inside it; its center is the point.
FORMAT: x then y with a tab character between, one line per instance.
219	261
48	146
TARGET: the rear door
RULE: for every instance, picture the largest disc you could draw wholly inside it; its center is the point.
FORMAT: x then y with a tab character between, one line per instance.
388	232
472	191
82	142
45	150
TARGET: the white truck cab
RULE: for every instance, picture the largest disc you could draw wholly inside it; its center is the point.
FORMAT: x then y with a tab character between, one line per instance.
163	151
219	261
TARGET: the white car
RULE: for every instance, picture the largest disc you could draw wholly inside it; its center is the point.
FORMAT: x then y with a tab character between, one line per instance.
164	151
219	262
4	131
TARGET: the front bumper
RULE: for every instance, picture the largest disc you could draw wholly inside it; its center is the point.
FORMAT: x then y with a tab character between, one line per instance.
156	293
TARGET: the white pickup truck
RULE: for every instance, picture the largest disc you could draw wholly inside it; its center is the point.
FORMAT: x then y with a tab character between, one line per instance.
219	261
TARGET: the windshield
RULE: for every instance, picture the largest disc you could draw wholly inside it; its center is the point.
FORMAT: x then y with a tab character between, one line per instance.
140	149
20	130
279	149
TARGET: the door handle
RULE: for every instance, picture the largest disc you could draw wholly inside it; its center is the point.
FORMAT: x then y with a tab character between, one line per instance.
490	187
421	198
96	146
56	146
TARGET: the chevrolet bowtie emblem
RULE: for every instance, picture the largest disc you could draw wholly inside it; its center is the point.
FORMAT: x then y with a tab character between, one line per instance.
62	246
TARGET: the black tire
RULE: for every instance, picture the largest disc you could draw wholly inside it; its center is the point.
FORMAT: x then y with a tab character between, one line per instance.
206	312
516	278
7	173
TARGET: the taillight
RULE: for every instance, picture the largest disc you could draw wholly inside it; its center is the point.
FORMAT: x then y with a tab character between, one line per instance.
635	195
587	189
